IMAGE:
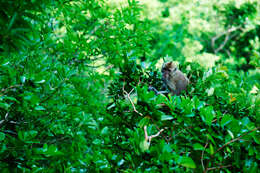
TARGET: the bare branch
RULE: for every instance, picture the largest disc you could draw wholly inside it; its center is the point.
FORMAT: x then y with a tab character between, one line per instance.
165	138
227	37
202	156
223	44
157	134
129	98
149	138
219	167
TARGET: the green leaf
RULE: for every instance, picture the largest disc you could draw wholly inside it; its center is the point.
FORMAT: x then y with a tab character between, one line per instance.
27	136
166	117
211	149
32	133
190	115
34	99
143	122
198	146
52	151
207	114
211	139
225	120
121	162
4	106
12	21
12	99
186	162
23	79
231	134
256	137
210	91
20	135
2	136
144	145
105	131
39	82
39	108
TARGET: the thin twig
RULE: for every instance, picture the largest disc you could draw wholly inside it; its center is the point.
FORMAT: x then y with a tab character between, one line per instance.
129	98
236	139
165	138
183	130
223	44
149	138
213	40
223	146
4	90
219	167
14	122
132	103
202	156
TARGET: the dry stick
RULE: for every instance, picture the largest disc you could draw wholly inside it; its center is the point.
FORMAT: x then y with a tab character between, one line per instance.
165	138
223	44
219	167
149	138
226	38
132	103
202	156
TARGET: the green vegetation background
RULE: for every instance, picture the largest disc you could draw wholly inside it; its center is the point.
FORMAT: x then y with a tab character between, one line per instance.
74	78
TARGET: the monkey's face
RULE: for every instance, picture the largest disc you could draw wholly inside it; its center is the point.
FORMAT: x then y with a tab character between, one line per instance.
167	69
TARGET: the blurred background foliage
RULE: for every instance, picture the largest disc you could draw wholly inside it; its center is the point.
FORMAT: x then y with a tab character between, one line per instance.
74	79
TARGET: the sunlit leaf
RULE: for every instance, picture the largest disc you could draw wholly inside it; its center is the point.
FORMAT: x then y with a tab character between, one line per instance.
186	162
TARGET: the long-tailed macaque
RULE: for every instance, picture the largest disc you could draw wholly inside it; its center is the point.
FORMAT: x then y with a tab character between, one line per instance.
173	79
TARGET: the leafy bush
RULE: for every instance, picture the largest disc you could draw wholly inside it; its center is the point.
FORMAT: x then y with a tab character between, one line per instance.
211	127
74	79
242	34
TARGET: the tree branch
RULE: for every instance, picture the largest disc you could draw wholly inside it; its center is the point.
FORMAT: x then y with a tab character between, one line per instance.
4	90
132	103
236	139
219	167
149	138
227	37
202	156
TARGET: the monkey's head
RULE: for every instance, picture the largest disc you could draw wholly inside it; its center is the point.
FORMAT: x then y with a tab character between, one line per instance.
168	68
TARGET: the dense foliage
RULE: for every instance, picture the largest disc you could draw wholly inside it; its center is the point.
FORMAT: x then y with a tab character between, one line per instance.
74	79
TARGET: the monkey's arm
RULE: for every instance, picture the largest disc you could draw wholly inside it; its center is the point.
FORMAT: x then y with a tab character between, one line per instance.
156	91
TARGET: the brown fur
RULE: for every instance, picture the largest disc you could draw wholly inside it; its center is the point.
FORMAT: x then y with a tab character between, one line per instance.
174	79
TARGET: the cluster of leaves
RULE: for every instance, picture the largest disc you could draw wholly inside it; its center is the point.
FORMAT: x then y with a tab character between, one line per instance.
51	89
241	42
44	120
16	22
211	127
227	28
